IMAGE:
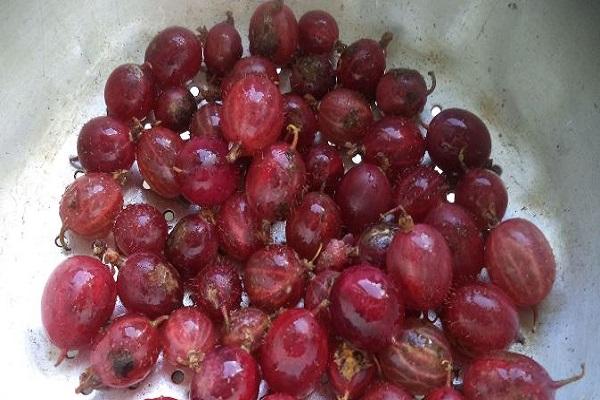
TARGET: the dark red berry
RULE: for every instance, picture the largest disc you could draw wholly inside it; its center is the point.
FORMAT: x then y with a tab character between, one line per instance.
301	116
140	227
317	295
253	65
129	92
445	393
274	32
483	193
174	108
350	370
519	260
317	32
222	47
336	254
278	396
373	243
207	121
386	391
274	277
402	92
295	353
246	329
187	336
175	55
313	75
457	139
324	167
344	117
363	195
192	245
418	190
104	145
365	307
480	318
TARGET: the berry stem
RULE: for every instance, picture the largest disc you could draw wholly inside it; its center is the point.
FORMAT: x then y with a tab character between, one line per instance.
558	384
88	381
60	240
385	40
155	323
61	357
234	153
433	82
230	19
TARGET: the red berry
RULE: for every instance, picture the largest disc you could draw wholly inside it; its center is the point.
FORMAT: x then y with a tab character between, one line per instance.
90	204
324	167
156	152
278	396
104	145
419	190
420	263
386	391
79	298
445	393
175	55
504	375
350	371
207	121
344	117
222	47
374	242
336	254
365	307
129	92
123	356
483	193
463	237
274	32
140	227
480	318
174	108
253	65
149	285
313	75
162	398
187	336
274	181
227	373
418	358
246	329
192	245
317	32
363	195
457	139
519	260
394	143
402	92
295	353
298	113
274	277
253	113
204	175
312	224
317	295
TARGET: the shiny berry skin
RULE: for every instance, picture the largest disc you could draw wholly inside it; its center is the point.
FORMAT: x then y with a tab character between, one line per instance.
315	221
336	254
252	65
386	391
520	261
454	135
140	227
204	175
175	55
480	318
506	376
129	92
124	355
317	32
394	143
363	195
90	204
313	75
274	277
274	181
187	336
373	243
218	289
420	264
246	329
463	237
483	193
222	47
317	295
344	117
365	307
445	393
149	285
350	370
298	113
274	32
324	167
104	145
402	92
253	113
418	190
361	66
295	353
227	373
207	121
78	299
174	108
418	357
192	244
